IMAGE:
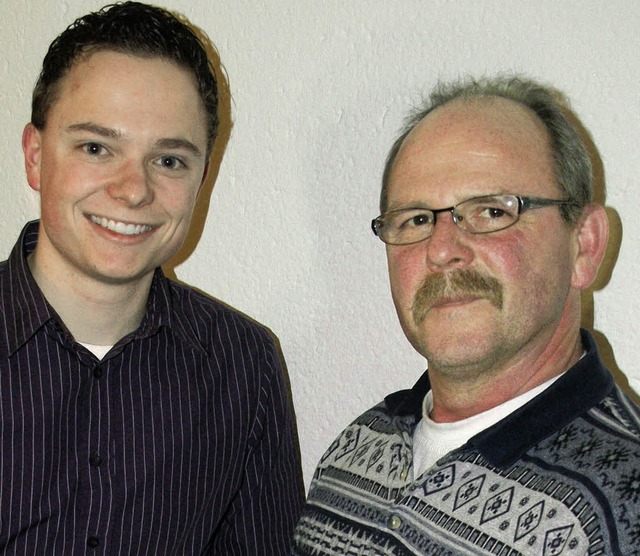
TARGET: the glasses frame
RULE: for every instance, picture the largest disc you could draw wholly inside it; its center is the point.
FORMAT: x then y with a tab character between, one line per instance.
525	203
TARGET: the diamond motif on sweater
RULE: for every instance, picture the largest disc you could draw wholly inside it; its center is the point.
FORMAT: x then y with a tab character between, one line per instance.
469	491
556	539
529	520
497	505
440	480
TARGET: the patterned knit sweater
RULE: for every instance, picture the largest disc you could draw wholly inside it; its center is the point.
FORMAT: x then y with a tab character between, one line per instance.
559	476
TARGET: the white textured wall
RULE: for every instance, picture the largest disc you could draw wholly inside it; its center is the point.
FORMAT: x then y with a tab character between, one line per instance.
320	88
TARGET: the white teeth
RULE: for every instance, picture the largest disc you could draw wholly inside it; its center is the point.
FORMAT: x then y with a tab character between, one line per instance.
120	227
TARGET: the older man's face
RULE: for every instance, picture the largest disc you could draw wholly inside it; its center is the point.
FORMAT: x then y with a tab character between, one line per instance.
474	302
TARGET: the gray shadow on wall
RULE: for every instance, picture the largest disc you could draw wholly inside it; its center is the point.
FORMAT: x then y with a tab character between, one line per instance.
201	210
608	263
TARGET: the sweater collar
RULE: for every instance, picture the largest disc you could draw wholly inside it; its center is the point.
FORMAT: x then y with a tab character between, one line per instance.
579	389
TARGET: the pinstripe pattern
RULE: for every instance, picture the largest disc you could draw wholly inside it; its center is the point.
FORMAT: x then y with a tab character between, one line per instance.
180	441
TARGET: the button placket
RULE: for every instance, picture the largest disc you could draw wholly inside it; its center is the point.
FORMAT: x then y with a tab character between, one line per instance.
97	453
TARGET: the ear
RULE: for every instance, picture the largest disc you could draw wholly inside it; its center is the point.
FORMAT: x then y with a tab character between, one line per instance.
591	234
32	149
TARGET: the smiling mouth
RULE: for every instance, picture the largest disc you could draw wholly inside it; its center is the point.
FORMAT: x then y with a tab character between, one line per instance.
120	227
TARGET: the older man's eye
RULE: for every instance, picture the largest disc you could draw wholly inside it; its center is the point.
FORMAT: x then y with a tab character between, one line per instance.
489	216
416	220
493	213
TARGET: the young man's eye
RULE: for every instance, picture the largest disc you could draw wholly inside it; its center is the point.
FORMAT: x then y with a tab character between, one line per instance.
171	163
93	149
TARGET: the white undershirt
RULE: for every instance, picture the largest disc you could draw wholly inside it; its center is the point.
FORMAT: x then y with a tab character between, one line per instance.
432	441
98	351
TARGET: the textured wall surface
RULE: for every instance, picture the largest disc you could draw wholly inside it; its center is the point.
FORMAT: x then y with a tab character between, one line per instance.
319	89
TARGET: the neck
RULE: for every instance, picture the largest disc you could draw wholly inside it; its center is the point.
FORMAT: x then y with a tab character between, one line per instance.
93	311
461	395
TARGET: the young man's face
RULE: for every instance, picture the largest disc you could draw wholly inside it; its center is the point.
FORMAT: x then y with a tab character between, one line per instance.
118	167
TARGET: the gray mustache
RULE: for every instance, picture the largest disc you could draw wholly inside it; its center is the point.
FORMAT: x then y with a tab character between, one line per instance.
465	282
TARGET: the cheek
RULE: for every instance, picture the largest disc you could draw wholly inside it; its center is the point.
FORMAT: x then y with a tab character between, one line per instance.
512	263
52	200
178	199
529	272
65	180
407	269
184	209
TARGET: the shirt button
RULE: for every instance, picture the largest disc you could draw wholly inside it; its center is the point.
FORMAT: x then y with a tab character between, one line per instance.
95	459
97	372
394	522
93	542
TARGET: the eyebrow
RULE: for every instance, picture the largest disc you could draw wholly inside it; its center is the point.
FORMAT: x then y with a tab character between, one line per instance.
97	129
176	143
407	206
109	133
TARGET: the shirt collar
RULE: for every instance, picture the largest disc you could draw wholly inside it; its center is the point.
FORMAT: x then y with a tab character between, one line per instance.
167	307
26	310
579	389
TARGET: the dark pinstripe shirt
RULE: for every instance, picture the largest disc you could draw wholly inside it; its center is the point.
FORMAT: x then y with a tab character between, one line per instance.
180	441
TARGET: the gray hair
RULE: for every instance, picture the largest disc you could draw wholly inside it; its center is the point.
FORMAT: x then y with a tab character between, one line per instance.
571	159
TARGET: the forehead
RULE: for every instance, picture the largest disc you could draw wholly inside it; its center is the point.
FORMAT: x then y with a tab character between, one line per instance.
467	148
146	97
109	65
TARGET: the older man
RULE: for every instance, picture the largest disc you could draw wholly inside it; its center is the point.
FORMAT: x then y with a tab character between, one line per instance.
516	440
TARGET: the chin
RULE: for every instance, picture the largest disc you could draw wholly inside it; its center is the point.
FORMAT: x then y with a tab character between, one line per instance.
456	345
117	276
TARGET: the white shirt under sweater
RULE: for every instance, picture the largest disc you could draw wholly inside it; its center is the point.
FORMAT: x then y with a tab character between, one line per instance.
432	441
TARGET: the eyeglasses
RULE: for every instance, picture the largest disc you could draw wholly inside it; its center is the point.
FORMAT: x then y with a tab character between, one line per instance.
479	215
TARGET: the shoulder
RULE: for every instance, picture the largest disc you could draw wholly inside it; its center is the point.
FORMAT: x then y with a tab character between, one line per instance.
204	306
618	414
4	286
375	433
4	267
218	326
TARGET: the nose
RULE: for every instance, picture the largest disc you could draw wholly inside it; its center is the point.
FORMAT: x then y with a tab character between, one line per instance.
447	247
132	186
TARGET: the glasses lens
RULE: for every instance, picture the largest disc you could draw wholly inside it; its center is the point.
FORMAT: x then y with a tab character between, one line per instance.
405	226
488	214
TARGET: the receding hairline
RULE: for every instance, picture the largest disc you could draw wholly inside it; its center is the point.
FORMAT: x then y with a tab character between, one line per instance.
514	107
513	114
569	142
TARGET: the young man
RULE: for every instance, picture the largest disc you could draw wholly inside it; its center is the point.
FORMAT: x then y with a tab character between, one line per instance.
136	415
516	440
